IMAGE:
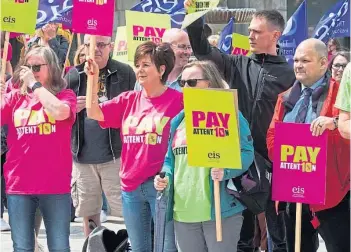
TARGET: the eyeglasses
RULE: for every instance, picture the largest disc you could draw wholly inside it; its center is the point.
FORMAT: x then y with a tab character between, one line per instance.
183	47
338	66
191	82
35	68
100	45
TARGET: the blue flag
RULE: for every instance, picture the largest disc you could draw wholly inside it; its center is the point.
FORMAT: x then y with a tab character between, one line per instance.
54	11
335	22
294	33
174	8
225	40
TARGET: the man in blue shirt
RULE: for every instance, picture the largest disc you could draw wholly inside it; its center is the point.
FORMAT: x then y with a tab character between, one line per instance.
181	46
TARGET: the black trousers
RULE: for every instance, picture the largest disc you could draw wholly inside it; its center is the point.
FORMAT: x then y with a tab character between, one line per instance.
276	227
309	235
335	226
246	242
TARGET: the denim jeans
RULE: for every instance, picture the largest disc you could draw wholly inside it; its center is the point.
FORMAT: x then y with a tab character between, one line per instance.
56	211
138	209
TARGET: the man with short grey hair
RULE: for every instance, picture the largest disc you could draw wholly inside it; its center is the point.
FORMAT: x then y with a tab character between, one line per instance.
97	151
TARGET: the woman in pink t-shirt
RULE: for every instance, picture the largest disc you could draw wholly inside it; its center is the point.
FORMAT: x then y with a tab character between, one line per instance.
144	118
39	115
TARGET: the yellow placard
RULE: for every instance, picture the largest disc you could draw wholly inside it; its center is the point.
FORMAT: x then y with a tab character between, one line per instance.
19	15
144	26
212	128
120	50
197	10
241	45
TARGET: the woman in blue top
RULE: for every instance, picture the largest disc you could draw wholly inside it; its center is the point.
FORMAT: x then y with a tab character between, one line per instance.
191	189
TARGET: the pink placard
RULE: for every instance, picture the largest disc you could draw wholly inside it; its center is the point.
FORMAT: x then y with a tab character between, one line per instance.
299	167
94	17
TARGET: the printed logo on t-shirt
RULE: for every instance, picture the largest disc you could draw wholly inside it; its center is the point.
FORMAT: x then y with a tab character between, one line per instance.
179	142
148	130
27	121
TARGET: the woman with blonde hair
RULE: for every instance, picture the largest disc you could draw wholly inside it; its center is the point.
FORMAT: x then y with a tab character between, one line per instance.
39	115
80	56
191	189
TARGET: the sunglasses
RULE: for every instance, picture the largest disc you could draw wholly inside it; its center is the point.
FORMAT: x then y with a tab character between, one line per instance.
338	66
35	68
191	82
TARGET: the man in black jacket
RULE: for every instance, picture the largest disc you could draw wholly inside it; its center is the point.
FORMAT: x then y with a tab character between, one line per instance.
96	151
259	79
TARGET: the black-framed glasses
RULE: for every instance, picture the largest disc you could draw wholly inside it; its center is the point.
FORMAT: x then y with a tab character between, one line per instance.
35	68
190	82
183	47
338	66
100	45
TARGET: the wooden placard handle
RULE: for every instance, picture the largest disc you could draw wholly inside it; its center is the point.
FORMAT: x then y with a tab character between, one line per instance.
298	227
217	200
4	55
90	82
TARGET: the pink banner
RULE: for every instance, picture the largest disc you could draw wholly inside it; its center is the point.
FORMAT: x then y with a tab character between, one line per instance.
93	17
299	167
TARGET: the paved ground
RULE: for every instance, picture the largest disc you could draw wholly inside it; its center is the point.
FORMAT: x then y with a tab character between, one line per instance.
77	237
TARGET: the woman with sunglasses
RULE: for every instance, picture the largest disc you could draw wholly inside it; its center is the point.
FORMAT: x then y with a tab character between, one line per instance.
39	115
144	118
193	209
338	63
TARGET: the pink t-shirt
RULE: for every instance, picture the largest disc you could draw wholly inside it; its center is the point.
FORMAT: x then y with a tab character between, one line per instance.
145	128
9	53
39	160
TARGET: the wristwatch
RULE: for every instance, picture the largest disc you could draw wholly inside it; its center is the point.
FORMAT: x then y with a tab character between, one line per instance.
335	121
36	85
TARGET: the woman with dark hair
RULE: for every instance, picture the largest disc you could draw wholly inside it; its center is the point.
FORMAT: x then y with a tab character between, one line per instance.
144	118
191	189
39	114
333	47
338	63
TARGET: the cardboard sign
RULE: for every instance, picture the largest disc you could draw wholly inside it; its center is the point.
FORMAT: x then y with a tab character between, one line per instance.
143	26
19	15
120	50
241	45
94	17
299	168
197	10
212	128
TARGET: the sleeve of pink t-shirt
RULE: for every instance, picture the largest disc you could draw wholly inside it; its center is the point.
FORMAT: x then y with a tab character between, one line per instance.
6	107
113	111
68	97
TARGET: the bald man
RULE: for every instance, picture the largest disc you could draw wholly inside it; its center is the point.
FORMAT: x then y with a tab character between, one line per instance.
311	101
182	49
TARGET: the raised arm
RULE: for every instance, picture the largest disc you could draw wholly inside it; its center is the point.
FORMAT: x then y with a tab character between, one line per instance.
59	110
203	50
109	113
